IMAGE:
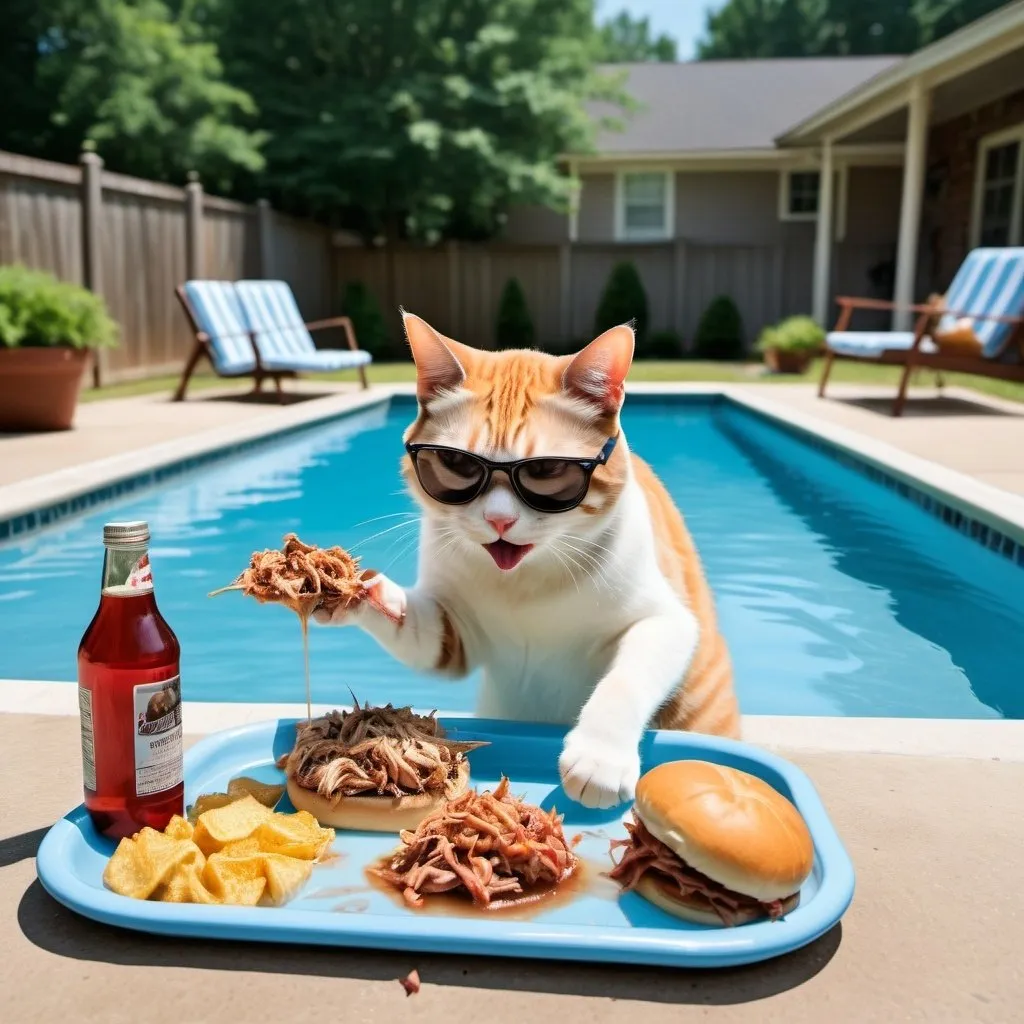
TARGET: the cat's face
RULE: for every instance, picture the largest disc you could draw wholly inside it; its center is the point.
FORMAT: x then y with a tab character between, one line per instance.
511	405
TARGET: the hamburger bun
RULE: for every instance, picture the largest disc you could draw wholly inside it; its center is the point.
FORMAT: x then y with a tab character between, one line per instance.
728	825
376	813
694	908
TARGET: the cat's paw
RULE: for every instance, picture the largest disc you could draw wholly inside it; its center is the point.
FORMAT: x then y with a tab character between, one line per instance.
596	773
383	597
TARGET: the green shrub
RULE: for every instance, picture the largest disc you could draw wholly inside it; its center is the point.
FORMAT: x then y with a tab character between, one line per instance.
664	345
37	310
794	334
624	300
359	304
514	328
720	331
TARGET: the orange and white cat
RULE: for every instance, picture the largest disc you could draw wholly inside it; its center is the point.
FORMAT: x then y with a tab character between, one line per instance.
595	614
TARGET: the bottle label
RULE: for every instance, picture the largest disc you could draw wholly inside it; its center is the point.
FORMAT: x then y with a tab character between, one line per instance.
158	749
88	738
141	576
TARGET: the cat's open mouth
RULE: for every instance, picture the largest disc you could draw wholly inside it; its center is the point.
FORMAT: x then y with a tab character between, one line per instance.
507	555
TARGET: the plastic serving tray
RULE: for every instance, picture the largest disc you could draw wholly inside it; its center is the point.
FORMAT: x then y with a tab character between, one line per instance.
591	922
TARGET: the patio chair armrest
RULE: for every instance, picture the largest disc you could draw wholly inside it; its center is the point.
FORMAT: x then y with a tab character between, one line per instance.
854	302
337	321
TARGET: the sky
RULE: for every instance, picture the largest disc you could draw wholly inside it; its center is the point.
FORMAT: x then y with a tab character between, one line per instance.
682	19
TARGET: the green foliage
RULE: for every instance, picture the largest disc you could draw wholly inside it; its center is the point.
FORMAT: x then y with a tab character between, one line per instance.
37	310
664	345
360	305
720	331
813	28
137	80
415	119
622	301
624	39
794	334
514	328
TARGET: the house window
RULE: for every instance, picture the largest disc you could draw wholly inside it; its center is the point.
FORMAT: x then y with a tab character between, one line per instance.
645	205
999	190
799	200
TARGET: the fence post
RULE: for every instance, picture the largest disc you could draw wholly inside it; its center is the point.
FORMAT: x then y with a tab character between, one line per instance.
193	227
454	291
679	290
265	232
565	292
92	213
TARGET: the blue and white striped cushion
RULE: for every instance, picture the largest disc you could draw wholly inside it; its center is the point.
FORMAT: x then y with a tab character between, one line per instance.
276	322
218	314
323	360
871	344
988	281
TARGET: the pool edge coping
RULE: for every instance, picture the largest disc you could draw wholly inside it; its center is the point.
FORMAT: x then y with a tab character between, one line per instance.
992	739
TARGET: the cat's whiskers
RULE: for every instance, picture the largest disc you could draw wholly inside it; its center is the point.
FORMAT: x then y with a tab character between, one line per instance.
389	515
567	567
603	567
391	529
582	567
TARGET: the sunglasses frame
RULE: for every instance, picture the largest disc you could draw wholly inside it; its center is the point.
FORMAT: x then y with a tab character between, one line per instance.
511	470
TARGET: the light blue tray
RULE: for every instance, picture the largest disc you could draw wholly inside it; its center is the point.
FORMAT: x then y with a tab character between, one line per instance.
338	908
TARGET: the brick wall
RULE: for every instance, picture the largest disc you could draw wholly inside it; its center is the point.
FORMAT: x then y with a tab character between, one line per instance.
952	154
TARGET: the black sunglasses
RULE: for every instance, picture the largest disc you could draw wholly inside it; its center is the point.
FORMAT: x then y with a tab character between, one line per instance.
455	477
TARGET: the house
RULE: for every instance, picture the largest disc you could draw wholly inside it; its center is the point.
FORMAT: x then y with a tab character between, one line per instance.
786	182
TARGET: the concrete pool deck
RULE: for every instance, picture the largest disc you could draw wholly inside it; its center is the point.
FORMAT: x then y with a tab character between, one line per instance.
934	932
935	928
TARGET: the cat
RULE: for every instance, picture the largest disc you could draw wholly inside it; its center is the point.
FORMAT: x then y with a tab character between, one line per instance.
599	616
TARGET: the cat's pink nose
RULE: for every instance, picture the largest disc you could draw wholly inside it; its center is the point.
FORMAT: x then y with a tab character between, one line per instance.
502	523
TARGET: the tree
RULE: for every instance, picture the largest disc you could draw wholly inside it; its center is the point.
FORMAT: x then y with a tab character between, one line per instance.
415	118
134	78
623	301
720	331
798	28
514	328
624	38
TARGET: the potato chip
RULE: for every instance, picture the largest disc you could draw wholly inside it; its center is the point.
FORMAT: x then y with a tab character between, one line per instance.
230	823
236	880
268	794
294	835
178	828
185	886
285	877
209	802
146	861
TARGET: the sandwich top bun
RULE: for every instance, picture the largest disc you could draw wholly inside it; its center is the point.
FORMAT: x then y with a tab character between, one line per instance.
728	825
376	813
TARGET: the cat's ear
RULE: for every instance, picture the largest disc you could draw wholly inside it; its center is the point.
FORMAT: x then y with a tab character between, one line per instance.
437	368
597	374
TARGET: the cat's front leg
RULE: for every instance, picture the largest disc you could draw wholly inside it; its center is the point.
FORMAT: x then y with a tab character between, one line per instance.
409	624
600	761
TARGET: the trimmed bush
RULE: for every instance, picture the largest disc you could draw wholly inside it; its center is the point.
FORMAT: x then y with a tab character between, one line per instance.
624	300
360	306
664	345
794	334
514	328
720	331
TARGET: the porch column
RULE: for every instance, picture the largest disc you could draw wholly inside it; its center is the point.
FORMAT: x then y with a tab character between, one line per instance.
823	238
915	152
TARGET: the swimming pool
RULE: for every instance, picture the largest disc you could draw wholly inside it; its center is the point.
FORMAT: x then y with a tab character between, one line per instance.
837	595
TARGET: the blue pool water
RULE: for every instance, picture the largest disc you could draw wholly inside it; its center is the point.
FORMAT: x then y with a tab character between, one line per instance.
836	596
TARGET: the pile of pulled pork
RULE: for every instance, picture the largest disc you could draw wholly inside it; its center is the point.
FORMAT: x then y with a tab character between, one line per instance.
368	751
643	853
491	845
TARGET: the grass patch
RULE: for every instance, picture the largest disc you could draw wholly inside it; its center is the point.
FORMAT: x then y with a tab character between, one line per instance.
643	370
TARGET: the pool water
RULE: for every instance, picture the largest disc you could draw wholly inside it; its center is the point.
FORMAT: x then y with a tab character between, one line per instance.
836	595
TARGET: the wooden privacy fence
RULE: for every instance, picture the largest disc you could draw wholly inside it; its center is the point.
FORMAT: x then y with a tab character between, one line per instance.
457	287
133	241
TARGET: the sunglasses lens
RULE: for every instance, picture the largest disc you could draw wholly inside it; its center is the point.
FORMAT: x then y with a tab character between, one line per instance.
448	476
552	484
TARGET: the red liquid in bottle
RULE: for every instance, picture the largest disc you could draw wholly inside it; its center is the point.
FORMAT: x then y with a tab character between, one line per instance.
129	691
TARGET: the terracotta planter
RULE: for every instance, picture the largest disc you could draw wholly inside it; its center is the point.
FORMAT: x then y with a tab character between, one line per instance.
780	360
39	387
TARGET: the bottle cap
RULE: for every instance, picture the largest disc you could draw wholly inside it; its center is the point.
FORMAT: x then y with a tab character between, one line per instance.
122	535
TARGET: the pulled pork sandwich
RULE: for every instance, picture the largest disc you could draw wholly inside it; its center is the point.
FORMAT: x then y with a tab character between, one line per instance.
492	846
374	769
714	845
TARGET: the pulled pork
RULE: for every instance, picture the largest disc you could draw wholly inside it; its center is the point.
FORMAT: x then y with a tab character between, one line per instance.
491	845
302	576
375	751
643	853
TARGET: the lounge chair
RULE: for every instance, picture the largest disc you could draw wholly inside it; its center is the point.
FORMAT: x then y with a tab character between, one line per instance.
254	329
978	328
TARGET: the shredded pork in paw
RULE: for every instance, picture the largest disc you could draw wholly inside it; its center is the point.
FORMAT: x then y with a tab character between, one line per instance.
375	752
643	853
303	577
491	845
